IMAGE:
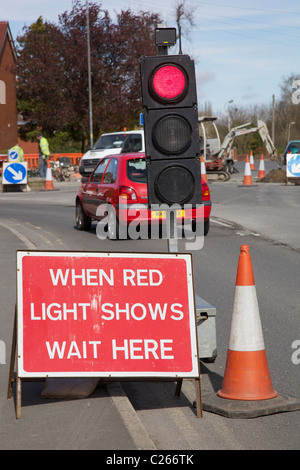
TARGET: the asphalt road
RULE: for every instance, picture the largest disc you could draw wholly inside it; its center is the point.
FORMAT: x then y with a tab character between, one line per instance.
267	218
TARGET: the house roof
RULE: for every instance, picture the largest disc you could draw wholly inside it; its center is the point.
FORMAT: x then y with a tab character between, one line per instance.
6	33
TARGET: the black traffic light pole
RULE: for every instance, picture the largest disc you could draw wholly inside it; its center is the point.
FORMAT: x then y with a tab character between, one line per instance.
170	111
163	36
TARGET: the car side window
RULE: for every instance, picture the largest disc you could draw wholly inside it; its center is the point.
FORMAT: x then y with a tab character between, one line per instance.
133	143
98	173
111	172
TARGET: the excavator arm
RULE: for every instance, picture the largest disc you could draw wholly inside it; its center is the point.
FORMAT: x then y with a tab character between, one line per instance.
220	161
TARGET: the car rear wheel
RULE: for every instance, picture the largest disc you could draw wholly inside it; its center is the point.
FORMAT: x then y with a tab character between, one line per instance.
206	227
83	222
112	225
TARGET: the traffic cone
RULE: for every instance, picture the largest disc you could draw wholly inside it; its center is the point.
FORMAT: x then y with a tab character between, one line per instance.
203	169
247	174
49	179
261	169
246	372
252	166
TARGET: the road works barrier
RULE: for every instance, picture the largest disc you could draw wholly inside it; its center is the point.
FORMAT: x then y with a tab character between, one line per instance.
32	159
105	315
247	389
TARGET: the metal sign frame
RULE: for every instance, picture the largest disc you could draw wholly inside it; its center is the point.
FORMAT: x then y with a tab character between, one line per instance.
20	343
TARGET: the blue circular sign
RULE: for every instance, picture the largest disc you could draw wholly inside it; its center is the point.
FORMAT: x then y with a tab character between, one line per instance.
15	173
13	155
293	165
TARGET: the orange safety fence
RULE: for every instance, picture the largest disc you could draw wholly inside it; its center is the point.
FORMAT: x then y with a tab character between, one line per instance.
33	159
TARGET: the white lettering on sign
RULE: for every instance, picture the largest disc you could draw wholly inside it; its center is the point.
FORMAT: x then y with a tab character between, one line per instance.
57	311
98	277
67	351
84	277
142	349
142	277
139	311
106	314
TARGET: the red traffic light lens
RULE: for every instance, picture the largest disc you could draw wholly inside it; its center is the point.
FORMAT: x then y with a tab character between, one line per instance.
169	83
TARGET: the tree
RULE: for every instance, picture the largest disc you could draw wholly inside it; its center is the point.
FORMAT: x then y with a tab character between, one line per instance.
53	78
184	14
287	112
41	97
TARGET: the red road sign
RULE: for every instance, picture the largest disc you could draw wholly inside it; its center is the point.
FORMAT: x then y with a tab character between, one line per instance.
105	314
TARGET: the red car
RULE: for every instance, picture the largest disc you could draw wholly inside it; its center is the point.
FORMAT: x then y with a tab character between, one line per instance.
117	189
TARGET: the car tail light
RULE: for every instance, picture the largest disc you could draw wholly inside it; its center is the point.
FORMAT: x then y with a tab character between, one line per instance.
127	193
205	191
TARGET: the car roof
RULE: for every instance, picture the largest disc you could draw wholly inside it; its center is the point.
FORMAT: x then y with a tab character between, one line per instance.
126	155
137	131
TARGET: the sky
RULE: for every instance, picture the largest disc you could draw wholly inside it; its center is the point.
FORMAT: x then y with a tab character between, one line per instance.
242	49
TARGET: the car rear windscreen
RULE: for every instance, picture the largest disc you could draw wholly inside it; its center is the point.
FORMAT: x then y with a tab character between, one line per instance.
136	170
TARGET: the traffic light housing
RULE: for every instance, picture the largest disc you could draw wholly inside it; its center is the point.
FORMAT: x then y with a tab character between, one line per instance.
171	129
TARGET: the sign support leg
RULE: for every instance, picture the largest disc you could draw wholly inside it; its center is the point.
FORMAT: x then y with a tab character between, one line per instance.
178	387
12	357
198	397
19	397
11	379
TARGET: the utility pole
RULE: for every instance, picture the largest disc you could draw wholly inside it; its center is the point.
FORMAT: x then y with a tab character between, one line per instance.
89	75
273	119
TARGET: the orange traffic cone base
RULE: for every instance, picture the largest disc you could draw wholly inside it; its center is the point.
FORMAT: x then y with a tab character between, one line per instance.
49	185
247	377
248	180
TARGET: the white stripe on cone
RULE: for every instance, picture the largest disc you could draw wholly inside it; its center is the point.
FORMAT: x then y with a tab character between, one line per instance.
48	174
246	331
203	169
261	169
247	169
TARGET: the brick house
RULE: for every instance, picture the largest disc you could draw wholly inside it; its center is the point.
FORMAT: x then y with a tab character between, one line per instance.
8	98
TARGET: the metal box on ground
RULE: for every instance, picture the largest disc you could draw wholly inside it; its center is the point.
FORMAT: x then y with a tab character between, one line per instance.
206	330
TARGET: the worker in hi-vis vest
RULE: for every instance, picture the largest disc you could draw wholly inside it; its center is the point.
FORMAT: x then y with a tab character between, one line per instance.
19	150
43	154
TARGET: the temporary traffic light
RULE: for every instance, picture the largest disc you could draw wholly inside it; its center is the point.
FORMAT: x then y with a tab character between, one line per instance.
171	130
